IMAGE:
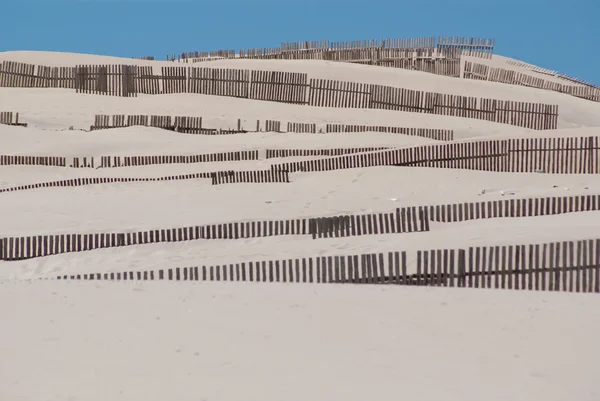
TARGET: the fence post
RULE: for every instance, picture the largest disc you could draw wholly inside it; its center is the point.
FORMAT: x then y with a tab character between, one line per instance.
461	268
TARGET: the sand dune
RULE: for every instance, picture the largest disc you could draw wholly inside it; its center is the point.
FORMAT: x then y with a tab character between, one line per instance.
273	341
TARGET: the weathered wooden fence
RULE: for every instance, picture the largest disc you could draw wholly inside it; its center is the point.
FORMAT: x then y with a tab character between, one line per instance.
78	182
181	124
296	88
572	266
363	49
229	177
219	177
552	73
277	153
276	86
486	73
524	207
576	155
21	75
401	220
115	80
430	133
127	161
10	118
469	46
8	160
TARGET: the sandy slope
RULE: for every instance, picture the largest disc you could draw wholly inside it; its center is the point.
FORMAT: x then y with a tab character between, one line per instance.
573	112
181	341
98	208
187	341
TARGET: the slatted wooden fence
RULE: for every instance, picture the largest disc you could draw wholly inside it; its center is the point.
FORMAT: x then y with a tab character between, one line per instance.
146	82
181	124
430	133
277	153
127	161
486	73
524	207
115	80
296	89
272	126
401	220
22	75
277	86
302	128
77	182
572	266
231	177
10	160
477	47
577	155
219	177
219	81
10	118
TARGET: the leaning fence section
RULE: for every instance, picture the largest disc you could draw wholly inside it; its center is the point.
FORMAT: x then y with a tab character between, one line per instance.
483	72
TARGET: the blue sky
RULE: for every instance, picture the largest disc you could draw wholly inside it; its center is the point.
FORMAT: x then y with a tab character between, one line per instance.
552	34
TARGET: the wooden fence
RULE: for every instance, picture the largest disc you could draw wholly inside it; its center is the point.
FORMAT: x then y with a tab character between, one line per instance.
181	124
115	80
9	160
469	46
430	133
127	161
218	81
296	88
277	153
315	49
302	128
78	182
525	207
575	155
219	177
276	86
572	266
10	118
401	220
21	75
551	73
194	125
404	220
486	73
230	177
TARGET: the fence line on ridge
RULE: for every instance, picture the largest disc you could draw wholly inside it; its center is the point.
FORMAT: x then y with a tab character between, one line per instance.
486	73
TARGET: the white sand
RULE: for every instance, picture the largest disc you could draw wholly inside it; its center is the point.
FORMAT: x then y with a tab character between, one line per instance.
153	341
257	342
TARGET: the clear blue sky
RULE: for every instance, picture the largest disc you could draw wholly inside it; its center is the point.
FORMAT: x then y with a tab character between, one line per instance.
550	33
